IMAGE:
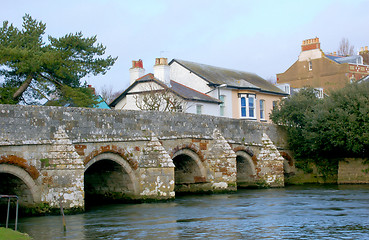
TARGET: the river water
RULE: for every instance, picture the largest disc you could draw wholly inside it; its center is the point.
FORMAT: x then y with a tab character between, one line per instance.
298	212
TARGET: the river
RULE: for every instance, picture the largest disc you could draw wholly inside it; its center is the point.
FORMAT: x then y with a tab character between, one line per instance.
296	212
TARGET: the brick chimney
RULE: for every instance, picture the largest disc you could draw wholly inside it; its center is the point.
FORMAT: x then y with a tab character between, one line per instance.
162	70
136	71
310	44
92	89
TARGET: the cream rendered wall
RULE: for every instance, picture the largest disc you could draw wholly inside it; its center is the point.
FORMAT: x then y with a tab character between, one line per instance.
268	104
259	96
185	77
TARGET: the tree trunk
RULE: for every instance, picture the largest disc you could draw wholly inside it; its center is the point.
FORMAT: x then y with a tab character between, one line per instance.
23	87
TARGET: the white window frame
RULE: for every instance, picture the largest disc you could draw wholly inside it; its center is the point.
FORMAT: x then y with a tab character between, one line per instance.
310	65
247	97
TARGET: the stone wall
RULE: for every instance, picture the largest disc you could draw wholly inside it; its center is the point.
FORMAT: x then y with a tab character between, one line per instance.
37	124
353	171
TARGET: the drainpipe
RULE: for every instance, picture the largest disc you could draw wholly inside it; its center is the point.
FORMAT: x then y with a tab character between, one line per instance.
220	86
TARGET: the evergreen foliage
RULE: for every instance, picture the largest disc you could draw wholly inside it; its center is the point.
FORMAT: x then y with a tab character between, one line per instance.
323	130
35	69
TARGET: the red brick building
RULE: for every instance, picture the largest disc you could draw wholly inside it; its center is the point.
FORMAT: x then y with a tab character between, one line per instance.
314	68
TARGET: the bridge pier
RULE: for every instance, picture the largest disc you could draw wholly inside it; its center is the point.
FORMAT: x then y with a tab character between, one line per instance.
156	172
62	174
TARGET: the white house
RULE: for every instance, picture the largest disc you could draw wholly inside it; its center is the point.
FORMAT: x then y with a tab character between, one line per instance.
157	87
204	89
244	95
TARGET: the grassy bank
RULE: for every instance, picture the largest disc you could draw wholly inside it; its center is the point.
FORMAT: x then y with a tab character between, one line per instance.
10	234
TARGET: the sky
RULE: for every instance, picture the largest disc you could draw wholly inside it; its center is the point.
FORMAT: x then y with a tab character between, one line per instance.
263	37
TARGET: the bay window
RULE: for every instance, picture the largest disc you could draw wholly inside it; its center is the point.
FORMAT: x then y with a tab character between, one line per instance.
247	105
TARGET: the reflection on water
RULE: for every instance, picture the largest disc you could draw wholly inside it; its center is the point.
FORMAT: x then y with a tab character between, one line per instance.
304	212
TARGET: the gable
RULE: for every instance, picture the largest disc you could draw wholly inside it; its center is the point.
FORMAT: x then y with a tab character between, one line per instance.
145	87
185	76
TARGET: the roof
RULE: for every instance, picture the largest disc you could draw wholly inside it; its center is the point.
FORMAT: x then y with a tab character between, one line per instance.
355	59
177	88
102	104
191	94
233	78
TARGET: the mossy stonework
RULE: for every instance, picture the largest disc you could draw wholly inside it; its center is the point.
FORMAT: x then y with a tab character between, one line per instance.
79	154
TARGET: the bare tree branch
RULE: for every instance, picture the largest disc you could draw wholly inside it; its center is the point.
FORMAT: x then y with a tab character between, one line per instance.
154	99
107	93
345	49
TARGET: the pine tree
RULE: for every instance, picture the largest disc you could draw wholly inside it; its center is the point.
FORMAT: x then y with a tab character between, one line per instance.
33	69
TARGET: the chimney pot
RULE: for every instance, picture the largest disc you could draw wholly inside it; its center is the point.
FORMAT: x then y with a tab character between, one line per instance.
92	89
162	70
136	71
310	44
140	63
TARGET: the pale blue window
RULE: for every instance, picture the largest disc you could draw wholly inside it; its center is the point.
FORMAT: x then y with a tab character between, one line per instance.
243	106
262	110
199	109
251	106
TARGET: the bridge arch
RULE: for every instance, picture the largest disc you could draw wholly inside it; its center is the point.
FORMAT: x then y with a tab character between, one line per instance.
246	171
117	171
189	170
26	178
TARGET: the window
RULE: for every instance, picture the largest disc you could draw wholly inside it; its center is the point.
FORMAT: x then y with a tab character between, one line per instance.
247	105
243	106
310	66
275	103
262	110
222	105
251	107
199	109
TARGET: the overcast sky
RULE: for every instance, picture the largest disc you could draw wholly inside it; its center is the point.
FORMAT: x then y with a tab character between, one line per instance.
263	37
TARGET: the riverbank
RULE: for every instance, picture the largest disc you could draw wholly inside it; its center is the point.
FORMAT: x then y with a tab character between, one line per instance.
9	234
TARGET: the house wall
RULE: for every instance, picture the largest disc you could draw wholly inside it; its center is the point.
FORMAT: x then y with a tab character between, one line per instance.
121	104
325	74
236	108
185	77
207	108
228	100
269	99
129	102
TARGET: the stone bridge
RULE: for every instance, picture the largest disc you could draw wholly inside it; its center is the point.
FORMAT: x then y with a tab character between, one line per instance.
52	154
